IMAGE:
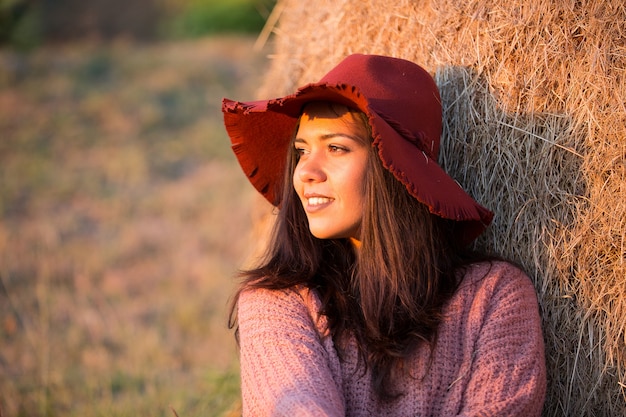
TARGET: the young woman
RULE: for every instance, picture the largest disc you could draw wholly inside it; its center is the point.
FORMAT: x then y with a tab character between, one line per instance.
369	301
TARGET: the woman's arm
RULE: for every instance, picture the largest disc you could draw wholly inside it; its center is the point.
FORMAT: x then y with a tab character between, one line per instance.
285	365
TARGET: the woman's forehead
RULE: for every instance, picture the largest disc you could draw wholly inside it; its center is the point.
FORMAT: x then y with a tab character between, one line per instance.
328	116
326	109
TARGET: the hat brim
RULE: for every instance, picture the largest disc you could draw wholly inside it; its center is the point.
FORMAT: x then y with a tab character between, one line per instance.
261	133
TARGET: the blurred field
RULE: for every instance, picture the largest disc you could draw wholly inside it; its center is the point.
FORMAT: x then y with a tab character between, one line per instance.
123	219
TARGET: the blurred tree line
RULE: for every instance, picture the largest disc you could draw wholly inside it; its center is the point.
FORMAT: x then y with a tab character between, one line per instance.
29	23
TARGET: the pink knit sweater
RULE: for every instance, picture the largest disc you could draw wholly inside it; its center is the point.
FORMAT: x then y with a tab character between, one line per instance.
488	361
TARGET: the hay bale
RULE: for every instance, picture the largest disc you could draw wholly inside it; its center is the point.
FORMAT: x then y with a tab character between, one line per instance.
534	126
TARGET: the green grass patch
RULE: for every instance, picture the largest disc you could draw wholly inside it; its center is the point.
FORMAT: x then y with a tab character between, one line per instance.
202	17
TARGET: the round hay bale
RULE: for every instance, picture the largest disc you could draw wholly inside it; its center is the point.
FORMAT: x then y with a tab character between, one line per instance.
534	126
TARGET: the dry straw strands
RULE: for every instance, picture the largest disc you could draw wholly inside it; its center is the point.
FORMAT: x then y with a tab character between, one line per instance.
535	128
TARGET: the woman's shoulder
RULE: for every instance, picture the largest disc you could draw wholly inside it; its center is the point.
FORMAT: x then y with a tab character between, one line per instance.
492	272
494	298
297	295
293	303
495	280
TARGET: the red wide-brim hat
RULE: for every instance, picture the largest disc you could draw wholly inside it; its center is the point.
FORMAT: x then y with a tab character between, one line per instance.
403	106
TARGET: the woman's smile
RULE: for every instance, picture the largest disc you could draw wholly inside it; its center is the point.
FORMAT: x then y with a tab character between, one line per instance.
315	203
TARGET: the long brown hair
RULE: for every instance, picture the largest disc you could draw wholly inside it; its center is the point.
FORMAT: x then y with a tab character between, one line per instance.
389	294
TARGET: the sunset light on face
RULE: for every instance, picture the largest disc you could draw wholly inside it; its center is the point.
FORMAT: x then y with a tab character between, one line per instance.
333	152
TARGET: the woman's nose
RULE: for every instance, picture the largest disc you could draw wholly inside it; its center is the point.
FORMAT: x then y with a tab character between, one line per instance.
311	168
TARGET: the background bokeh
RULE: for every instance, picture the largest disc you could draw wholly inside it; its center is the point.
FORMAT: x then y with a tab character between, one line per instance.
123	214
29	23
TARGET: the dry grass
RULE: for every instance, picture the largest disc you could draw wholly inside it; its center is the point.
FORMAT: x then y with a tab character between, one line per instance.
123	219
533	94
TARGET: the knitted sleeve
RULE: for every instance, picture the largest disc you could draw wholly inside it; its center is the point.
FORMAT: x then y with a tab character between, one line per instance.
285	368
508	375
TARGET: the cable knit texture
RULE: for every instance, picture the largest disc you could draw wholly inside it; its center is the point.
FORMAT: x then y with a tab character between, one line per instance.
488	360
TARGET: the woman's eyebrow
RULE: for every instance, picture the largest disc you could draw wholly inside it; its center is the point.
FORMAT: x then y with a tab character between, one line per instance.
329	136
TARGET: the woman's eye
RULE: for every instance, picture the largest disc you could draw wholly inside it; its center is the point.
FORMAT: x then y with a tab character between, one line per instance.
336	148
299	151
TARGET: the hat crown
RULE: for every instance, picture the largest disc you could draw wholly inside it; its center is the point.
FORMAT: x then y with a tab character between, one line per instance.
399	91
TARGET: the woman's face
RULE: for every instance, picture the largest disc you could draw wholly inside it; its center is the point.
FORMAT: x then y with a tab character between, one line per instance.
333	146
